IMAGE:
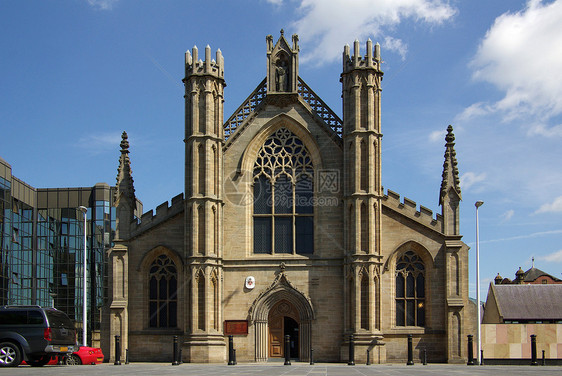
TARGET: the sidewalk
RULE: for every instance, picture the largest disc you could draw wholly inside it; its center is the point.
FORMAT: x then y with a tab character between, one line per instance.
278	369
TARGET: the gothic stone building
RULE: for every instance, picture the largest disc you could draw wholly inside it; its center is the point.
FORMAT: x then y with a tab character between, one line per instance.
284	229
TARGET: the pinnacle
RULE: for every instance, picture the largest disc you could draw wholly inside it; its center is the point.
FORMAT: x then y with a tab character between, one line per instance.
124	143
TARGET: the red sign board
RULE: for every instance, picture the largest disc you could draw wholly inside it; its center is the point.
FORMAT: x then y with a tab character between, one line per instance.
235	327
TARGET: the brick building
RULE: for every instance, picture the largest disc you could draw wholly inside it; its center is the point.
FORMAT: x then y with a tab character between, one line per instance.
285	229
532	276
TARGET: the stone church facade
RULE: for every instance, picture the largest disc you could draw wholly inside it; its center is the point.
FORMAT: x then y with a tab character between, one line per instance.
284	229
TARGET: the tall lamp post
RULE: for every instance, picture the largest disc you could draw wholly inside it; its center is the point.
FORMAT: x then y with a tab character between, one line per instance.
478	204
84	210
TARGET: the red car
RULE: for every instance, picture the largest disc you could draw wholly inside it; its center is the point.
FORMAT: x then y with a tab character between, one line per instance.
84	355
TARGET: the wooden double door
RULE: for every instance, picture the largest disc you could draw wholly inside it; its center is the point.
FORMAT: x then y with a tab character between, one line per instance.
283	320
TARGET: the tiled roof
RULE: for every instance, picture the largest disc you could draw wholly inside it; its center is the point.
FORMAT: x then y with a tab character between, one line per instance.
529	302
534	273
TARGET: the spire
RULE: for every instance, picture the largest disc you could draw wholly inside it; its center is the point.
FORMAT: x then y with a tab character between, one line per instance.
450	171
125	186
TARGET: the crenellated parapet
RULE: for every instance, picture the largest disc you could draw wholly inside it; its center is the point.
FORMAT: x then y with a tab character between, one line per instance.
409	208
195	66
164	211
371	60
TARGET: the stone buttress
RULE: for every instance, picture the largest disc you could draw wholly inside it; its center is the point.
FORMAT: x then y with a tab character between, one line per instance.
125	204
456	271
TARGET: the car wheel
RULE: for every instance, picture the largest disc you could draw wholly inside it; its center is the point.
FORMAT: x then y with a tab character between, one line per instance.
10	354
72	360
39	361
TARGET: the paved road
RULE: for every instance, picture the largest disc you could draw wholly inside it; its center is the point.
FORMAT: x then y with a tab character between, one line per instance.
277	369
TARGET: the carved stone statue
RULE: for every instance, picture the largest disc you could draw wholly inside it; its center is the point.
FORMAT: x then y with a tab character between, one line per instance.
281	76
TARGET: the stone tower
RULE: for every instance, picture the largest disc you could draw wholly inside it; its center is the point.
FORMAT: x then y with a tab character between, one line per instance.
362	192
455	265
204	139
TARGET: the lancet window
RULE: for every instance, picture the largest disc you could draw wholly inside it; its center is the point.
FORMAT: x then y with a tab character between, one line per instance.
163	301
283	196
410	290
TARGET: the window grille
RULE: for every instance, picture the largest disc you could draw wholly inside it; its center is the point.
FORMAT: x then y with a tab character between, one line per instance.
283	196
410	290
163	284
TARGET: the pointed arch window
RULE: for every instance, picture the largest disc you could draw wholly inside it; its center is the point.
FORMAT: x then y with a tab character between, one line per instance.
410	290
364	301
283	196
163	285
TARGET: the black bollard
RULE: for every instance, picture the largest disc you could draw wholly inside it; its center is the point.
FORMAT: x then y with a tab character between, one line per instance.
230	350
117	351
126	356
410	361
534	350
368	357
175	352
312	356
543	359
287	350
351	361
481	357
470	351
425	357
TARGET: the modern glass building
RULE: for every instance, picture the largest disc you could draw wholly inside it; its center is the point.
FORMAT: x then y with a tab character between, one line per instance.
42	247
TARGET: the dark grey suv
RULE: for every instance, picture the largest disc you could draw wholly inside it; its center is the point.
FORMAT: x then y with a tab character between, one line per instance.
34	334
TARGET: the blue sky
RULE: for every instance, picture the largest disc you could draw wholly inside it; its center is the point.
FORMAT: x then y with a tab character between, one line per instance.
76	73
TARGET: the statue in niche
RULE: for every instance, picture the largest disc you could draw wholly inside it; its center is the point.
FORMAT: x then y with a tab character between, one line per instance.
281	76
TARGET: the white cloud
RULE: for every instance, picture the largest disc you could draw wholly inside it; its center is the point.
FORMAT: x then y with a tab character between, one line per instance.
328	25
521	56
470	178
542	130
397	45
553	257
474	110
101	143
507	215
437	136
520	237
554	207
102	4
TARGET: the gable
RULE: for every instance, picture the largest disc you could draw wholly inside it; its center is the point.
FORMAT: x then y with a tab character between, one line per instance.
258	99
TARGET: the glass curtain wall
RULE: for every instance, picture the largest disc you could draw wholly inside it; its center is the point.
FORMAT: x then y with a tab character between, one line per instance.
50	273
16	242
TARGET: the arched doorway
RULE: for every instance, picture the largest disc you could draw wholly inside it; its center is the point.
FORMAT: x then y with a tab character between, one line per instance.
283	320
278	310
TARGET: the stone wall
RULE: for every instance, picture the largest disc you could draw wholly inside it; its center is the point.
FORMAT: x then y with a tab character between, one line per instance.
513	341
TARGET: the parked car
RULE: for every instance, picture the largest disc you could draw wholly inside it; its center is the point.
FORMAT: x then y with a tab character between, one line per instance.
85	355
34	334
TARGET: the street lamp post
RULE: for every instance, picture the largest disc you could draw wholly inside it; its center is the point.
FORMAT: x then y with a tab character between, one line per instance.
478	204
84	210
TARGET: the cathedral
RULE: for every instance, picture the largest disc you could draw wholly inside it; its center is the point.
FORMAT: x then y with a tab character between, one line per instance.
284	229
